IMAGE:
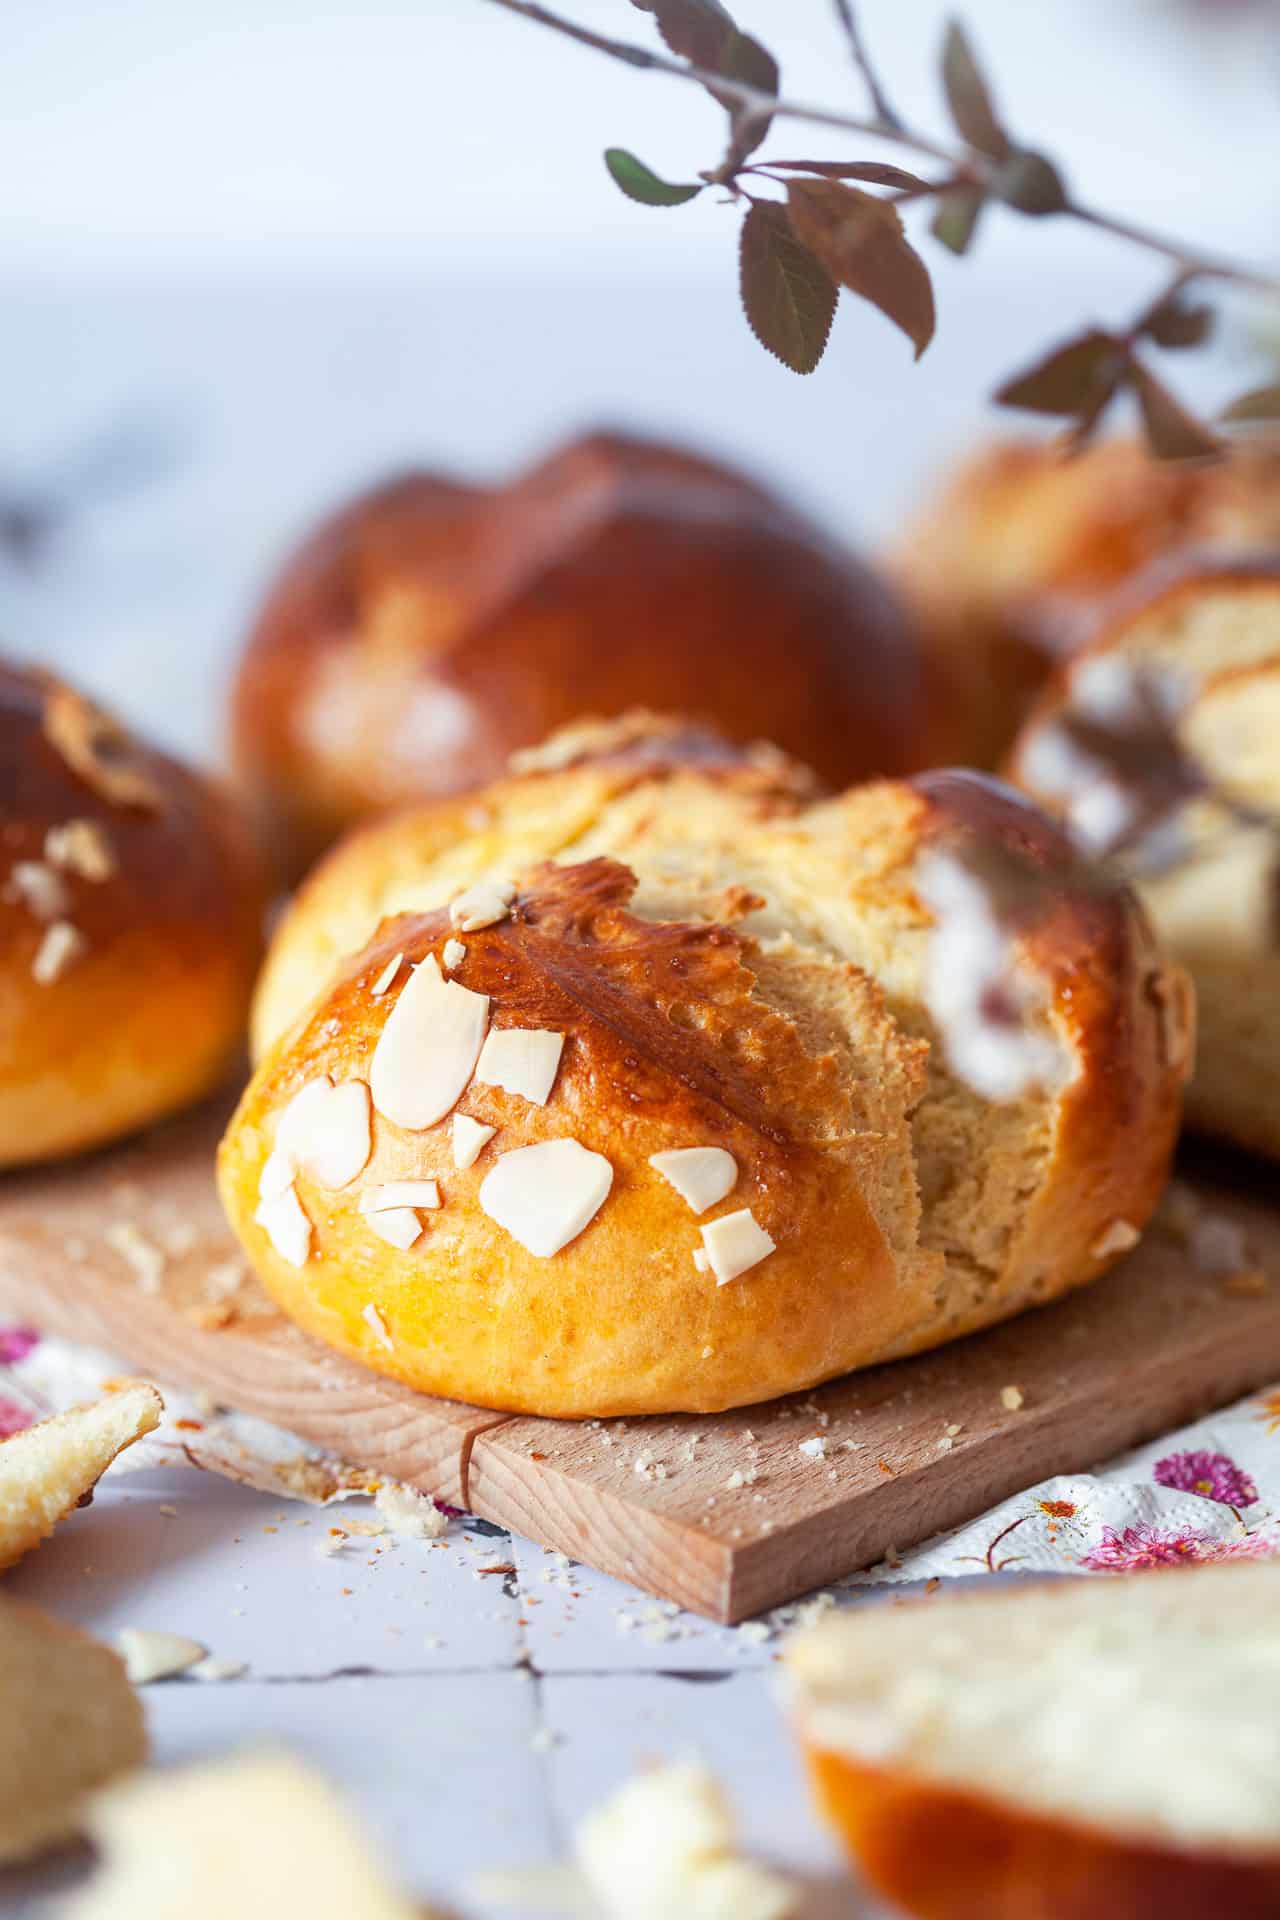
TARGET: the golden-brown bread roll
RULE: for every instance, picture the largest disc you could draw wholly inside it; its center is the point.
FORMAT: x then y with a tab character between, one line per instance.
130	926
1008	565
459	1173
1085	1750
428	630
1214	626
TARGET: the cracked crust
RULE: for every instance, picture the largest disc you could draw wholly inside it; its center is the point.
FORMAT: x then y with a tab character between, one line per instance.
428	630
734	965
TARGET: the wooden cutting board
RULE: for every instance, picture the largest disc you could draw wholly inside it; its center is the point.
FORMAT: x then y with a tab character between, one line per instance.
722	1513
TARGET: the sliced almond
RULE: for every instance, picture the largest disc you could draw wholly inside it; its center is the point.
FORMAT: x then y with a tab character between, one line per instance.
400	1193
521	1060
286	1226
482	905
546	1194
378	1327
1117	1238
97	747
428	1049
57	953
387	975
325	1131
398	1226
40	889
80	846
700	1260
700	1175
276	1175
735	1243
454	955
469	1137
149	1655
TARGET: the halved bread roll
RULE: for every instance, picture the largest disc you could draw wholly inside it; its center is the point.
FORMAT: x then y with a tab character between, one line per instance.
1078	1751
1009	564
1214	627
664	1125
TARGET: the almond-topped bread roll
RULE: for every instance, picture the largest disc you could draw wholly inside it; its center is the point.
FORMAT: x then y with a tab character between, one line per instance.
429	629
1208	632
1008	566
1088	1750
130	926
625	1098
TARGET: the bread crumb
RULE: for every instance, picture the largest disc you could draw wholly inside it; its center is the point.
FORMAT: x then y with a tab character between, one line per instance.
1249	1280
1012	1399
408	1512
814	1448
455	953
1116	1238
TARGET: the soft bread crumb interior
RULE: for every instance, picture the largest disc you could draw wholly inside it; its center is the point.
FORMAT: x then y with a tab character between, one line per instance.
1147	1705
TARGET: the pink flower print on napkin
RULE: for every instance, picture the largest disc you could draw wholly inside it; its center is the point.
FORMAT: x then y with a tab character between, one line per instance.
1141	1546
13	1418
16	1343
1214	1476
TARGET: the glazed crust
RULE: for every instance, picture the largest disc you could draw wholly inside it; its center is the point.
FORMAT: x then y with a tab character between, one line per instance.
1009	567
939	1854
428	630
150	1013
752	1018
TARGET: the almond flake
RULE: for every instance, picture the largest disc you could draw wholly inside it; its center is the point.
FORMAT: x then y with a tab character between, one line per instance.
398	1226
521	1060
546	1194
735	1243
152	1656
378	1327
97	747
81	846
1012	1398
386	977
700	1175
428	1049
1117	1238
41	890
400	1193
286	1226
482	905
469	1138
324	1131
454	955
276	1176
57	953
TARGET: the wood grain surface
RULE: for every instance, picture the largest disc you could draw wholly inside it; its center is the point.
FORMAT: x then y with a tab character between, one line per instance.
726	1514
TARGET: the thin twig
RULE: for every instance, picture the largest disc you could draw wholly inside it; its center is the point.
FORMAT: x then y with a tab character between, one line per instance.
752	105
885	114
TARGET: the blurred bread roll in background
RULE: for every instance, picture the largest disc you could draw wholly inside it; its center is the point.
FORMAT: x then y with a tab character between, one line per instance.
1008	565
430	628
1205	636
612	1088
130	926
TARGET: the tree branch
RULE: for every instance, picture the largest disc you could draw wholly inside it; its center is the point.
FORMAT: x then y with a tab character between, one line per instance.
750	104
885	114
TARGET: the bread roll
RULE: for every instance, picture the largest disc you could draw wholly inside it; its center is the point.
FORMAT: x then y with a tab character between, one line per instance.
1087	1750
130	927
664	1127
427	630
1215	627
1008	566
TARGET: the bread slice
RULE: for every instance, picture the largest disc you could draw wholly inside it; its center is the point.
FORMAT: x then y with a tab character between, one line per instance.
1087	1748
51	1469
71	1722
257	1835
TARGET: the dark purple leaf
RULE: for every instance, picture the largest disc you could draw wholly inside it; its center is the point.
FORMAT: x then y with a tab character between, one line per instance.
1172	432
788	296
1071	380
969	97
1176	323
702	32
1263	403
861	242
874	172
